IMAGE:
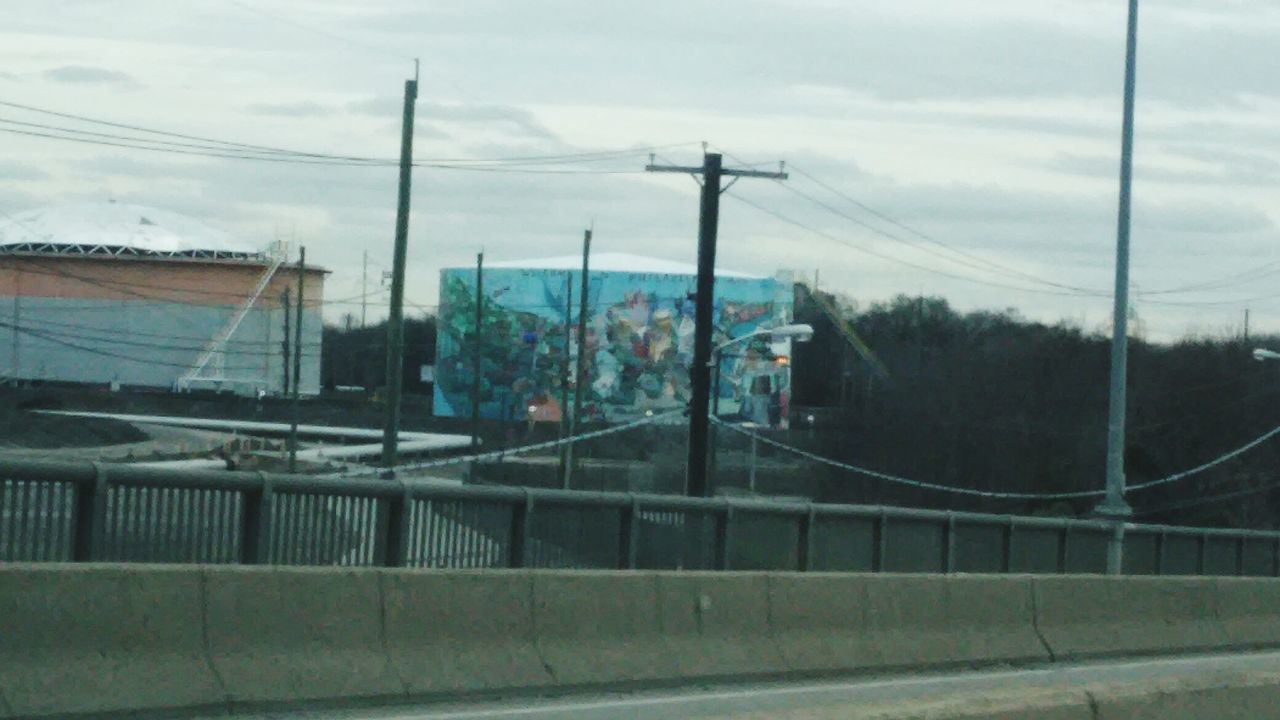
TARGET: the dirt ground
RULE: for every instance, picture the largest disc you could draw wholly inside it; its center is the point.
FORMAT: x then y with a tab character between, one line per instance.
24	429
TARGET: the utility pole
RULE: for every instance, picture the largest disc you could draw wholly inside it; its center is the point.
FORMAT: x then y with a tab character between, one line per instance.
1114	507
565	373
711	172
297	361
1246	324
395	317
364	291
580	370
477	354
284	344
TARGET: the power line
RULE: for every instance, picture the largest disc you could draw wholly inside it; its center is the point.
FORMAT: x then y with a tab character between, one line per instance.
894	259
966	258
1212	499
207	146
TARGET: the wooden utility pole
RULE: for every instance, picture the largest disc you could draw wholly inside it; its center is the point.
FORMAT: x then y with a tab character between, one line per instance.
364	291
711	172
580	370
297	360
477	355
395	316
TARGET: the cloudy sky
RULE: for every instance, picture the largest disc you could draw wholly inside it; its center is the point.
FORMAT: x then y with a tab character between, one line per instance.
962	148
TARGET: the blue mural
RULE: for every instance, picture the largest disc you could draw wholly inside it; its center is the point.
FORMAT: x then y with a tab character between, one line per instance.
639	344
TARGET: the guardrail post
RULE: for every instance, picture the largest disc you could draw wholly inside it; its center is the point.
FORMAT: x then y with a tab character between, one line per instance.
949	544
90	517
628	534
804	544
393	531
1275	558
880	536
1064	542
1202	553
519	539
1161	539
255	538
722	545
1240	555
1006	548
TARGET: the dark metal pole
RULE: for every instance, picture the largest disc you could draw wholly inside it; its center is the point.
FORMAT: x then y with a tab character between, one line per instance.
297	360
477	340
1114	505
286	355
700	372
580	372
565	374
715	383
395	317
713	438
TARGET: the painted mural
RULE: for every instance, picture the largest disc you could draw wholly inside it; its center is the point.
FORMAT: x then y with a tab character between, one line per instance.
639	345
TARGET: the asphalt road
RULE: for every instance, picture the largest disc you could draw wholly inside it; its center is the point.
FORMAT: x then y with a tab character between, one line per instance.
788	700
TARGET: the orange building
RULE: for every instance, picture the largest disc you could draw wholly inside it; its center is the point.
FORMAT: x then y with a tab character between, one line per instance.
113	293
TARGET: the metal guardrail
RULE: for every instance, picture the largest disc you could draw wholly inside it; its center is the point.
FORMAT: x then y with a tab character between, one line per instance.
89	512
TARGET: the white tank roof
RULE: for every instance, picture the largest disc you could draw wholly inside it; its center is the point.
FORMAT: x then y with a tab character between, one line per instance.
111	227
615	262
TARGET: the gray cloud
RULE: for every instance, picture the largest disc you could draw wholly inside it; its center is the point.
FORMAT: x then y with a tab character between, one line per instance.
84	74
510	119
11	170
297	109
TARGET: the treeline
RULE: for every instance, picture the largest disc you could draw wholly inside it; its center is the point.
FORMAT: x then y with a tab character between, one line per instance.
357	356
987	401
991	401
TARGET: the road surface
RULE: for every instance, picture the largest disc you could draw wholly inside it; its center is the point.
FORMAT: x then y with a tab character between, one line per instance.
821	698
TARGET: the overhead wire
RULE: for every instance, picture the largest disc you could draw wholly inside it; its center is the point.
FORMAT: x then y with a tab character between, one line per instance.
964	258
892	258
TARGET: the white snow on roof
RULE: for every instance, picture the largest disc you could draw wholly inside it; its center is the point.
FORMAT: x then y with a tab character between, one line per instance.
117	225
616	262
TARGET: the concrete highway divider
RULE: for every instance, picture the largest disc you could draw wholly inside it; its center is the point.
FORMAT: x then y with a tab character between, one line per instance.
1091	617
461	632
86	639
82	639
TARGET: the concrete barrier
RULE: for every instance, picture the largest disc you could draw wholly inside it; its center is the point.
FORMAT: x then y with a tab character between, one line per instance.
717	624
1248	609
288	635
820	622
116	638
459	632
858	623
940	620
101	638
1095	616
601	628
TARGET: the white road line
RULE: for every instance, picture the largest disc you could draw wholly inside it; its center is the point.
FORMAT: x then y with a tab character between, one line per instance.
1198	663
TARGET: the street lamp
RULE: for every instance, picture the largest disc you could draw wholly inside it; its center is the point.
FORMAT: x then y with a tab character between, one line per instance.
800	332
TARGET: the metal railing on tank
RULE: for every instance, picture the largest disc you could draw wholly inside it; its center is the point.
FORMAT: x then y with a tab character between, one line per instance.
88	512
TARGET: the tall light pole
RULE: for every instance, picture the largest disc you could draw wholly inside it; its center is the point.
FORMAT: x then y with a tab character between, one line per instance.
1114	506
800	333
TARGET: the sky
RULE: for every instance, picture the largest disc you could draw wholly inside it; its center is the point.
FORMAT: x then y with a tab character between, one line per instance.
967	149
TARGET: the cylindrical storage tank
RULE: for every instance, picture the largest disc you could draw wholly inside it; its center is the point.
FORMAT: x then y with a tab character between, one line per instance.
639	342
127	295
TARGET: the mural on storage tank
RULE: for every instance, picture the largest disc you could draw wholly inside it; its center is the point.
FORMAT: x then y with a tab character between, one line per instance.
639	345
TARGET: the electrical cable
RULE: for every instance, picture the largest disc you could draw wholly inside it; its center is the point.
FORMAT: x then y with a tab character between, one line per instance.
894	259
